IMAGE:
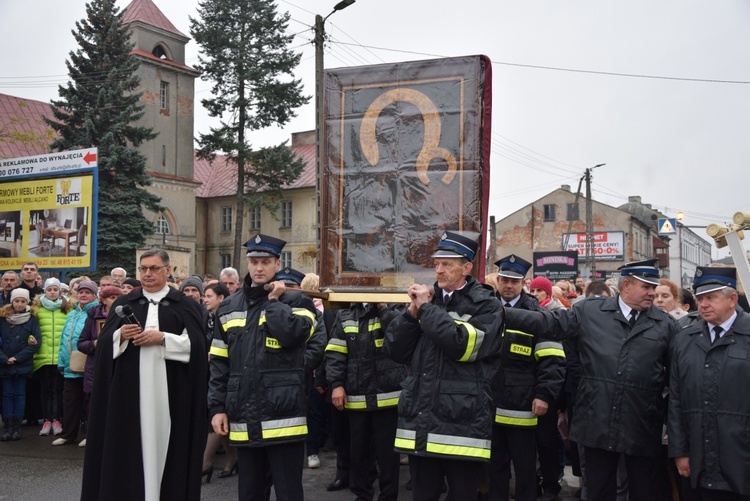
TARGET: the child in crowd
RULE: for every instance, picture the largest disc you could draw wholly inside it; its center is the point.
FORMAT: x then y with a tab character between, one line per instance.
51	310
21	337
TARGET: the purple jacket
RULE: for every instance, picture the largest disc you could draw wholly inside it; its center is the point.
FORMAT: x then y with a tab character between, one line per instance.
89	334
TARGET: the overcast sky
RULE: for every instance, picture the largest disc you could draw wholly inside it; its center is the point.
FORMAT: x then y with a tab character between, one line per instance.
659	91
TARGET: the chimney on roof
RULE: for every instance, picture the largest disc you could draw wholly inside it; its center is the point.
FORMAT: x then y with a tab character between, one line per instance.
303	138
634	198
648	206
565	187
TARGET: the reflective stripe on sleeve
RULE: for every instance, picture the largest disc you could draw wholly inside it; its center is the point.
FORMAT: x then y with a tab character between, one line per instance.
219	348
234	319
474	340
304	312
337	345
373	325
458	446
350	326
406	439
549	349
355	402
515	418
238	432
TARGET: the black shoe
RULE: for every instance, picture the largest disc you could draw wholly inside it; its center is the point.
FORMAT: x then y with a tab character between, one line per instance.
337	485
208	473
229	472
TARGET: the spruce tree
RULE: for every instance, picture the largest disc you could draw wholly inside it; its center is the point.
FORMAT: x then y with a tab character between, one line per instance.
99	107
245	54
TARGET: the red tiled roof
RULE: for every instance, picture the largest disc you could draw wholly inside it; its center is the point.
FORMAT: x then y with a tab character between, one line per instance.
23	116
147	12
219	179
151	57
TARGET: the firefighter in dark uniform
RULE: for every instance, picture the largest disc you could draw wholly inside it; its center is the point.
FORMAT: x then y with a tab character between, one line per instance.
367	384
449	334
526	385
709	409
623	344
257	387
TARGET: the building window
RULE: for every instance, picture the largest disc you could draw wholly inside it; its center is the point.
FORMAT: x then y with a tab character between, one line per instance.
164	95
226	219
286	259
286	214
573	212
254	219
226	260
162	225
549	212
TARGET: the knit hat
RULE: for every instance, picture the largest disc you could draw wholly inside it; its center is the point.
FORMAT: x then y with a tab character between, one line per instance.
192	281
19	292
109	291
51	282
541	283
133	282
88	284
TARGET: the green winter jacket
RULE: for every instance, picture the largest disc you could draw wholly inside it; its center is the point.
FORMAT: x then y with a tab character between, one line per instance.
51	324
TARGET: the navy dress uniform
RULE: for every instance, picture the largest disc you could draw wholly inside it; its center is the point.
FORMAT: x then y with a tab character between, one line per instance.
450	339
531	369
258	381
619	409
709	410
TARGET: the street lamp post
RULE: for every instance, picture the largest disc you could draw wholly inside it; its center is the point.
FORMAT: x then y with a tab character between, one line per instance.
590	260
319	93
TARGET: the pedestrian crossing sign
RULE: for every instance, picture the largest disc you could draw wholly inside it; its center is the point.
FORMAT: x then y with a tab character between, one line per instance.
667	226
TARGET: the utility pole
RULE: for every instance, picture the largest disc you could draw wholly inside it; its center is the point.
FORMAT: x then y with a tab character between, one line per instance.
590	260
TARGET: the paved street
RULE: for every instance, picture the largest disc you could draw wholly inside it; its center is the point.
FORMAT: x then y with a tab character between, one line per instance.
33	470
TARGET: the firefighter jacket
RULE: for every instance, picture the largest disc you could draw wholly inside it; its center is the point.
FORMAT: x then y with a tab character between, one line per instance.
355	359
619	406
445	407
257	365
530	367
709	411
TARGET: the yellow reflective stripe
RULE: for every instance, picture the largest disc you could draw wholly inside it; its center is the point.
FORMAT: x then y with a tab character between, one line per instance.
239	436
304	312
234	322
515	418
350	329
549	349
379	342
219	352
513	331
284	427
272	343
374	325
389	399
262	318
285	432
549	352
238	432
471	342
354	405
458	446
405	439
337	345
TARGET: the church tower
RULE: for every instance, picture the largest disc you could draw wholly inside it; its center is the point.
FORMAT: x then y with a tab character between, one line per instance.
168	95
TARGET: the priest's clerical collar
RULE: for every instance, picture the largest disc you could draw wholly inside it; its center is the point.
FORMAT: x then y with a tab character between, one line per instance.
155	297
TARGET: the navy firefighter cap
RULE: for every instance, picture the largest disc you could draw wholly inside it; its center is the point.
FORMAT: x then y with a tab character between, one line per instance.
454	244
290	276
645	271
513	266
709	279
264	246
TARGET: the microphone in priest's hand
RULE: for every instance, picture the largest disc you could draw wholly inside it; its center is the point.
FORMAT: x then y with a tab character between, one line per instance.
126	312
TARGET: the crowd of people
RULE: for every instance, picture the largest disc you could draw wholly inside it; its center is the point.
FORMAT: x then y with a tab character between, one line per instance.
637	386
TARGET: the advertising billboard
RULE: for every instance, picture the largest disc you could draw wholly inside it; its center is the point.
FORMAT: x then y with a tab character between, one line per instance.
608	245
48	207
561	265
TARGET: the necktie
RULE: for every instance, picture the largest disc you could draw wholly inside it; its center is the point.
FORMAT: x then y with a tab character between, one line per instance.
633	316
717	333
